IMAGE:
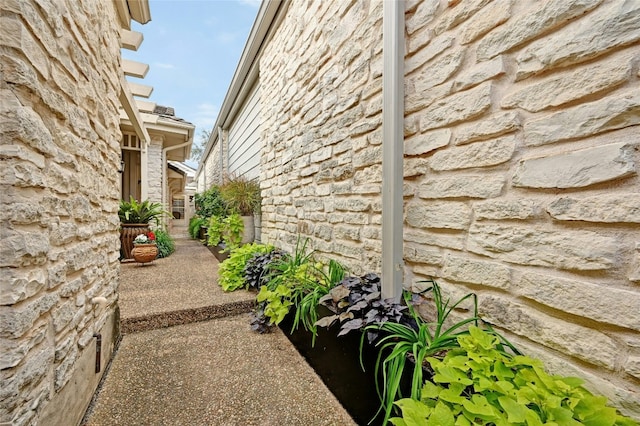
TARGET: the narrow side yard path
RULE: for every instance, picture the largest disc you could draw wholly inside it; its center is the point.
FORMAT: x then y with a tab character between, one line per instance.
181	288
210	372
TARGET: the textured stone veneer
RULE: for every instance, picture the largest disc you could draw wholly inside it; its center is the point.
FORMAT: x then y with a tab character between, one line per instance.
60	188
521	183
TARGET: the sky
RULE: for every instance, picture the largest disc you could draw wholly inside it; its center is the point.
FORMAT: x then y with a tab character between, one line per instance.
192	48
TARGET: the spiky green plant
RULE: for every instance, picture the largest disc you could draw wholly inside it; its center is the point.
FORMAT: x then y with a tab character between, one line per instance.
133	211
420	341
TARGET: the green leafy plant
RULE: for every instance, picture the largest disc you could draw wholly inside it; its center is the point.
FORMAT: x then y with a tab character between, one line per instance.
295	272
277	302
133	211
481	383
419	340
232	231
241	195
195	223
231	271
165	243
210	203
215	230
228	229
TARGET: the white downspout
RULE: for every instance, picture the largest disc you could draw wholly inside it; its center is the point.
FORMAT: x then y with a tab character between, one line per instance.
392	147
221	143
164	170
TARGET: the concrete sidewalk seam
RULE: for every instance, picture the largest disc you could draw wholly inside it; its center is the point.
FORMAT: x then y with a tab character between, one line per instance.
185	316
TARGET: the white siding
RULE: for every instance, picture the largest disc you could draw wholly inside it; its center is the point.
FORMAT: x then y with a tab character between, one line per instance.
244	138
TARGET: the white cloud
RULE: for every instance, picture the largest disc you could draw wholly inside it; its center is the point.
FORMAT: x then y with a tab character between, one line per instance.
252	3
206	116
163	65
226	37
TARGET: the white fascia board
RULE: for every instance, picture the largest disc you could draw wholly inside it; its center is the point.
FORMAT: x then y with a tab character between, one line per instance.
145	106
134	69
139	10
141	90
149	118
130	40
131	110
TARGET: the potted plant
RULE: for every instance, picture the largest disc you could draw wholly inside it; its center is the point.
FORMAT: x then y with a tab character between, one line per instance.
145	248
242	196
134	220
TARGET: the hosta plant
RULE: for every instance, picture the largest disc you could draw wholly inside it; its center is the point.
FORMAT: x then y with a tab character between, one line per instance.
480	383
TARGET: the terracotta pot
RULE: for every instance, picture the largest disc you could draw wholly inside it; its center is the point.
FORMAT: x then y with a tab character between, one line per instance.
128	232
144	253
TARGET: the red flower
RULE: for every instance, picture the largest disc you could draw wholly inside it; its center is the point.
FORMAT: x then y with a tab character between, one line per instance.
151	235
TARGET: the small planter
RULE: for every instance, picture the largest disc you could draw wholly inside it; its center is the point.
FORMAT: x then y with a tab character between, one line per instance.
144	253
202	233
248	235
128	232
218	253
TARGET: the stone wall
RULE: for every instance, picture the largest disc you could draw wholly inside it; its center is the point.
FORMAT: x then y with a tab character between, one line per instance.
522	126
321	130
155	168
59	199
211	173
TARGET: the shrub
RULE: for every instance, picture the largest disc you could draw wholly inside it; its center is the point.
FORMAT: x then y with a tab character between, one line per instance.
210	203
165	243
195	223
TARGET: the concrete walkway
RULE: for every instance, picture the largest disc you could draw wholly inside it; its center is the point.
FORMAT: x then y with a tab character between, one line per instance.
189	357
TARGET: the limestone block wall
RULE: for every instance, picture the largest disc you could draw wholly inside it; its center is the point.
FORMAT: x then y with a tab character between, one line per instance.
522	127
155	169
59	186
211	173
321	130
522	134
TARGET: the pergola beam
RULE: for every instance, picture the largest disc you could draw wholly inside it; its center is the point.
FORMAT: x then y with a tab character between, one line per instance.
134	69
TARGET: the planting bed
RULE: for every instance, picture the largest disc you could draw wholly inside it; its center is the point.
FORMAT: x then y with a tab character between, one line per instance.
337	361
